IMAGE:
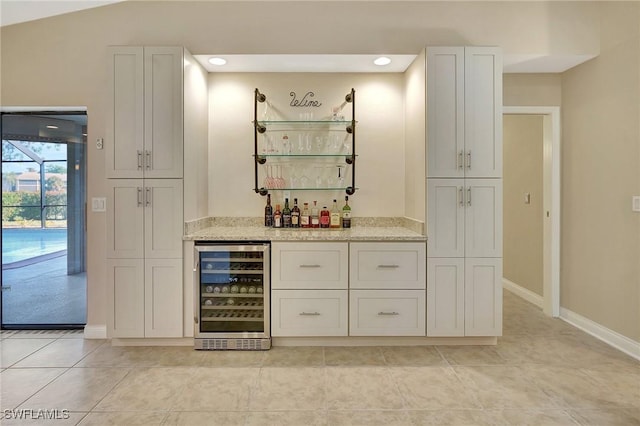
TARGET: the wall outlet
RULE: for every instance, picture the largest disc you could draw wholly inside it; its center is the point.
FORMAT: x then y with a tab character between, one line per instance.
99	143
99	204
527	198
635	203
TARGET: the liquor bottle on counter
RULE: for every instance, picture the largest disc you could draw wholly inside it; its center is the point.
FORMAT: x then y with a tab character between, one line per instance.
268	212
286	214
295	214
305	217
325	218
277	217
335	216
315	217
346	213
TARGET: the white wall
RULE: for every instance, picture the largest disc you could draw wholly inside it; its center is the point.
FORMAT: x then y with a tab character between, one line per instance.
380	165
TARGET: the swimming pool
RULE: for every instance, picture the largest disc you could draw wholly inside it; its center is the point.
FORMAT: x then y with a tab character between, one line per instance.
25	243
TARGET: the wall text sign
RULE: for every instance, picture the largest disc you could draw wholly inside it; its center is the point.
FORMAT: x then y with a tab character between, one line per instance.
306	100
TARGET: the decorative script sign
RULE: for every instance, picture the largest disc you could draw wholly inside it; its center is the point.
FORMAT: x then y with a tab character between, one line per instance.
306	100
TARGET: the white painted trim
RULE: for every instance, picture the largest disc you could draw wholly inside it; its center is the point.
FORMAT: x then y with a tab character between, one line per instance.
95	331
526	294
551	297
161	341
610	337
384	341
43	109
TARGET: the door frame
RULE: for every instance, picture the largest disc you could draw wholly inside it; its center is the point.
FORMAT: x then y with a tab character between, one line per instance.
551	201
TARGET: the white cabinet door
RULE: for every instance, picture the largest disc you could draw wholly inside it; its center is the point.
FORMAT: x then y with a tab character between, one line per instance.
124	145
163	298
310	266
163	223
483	111
383	265
445	111
483	218
125	218
125	297
163	114
445	217
445	297
483	297
387	313
309	313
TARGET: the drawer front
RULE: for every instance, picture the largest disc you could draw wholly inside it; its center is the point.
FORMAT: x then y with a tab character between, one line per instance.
387	313
309	313
388	265
310	266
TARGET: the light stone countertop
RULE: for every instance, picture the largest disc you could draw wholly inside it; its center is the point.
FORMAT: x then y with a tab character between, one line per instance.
240	229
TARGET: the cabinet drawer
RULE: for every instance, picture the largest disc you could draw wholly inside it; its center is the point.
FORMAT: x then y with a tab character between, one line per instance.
387	313
309	313
388	265
310	266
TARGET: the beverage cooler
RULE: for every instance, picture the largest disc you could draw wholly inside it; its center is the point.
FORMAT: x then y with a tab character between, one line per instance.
232	296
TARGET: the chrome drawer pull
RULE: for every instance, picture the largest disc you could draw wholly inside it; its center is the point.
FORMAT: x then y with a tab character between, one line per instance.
310	266
139	160
388	266
309	314
388	313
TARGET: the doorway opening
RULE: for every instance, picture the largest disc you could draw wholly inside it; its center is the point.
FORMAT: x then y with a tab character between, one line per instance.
549	301
43	220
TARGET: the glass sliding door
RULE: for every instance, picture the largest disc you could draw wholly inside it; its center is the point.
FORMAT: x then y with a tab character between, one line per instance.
43	220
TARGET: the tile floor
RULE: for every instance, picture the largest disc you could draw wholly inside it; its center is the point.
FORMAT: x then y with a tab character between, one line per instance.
542	372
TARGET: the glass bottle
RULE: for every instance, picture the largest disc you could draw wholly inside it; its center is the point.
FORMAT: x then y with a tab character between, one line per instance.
286	214
295	214
305	218
335	216
277	217
268	212
346	213
325	217
315	217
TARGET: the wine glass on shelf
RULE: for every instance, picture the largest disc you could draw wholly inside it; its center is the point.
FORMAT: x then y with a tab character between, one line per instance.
319	181
268	180
280	182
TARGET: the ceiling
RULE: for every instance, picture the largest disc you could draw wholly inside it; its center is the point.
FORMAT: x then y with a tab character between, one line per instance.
18	11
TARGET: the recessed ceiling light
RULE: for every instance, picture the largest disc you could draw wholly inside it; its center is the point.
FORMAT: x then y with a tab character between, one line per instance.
51	127
382	60
217	61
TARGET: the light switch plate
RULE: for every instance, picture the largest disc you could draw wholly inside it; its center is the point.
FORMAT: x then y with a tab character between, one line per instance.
99	204
635	203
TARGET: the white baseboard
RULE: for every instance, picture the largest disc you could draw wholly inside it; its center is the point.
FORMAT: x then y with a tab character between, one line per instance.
526	294
95	331
610	337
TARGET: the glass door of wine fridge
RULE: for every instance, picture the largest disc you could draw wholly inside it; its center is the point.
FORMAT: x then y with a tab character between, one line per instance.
232	296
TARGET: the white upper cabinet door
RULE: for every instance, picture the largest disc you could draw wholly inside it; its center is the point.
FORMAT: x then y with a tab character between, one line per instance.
164	225
483	112
125	218
124	144
445	217
483	218
445	111
483	297
163	115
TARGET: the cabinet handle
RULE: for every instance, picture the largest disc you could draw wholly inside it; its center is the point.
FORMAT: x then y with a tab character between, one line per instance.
460	160
139	197
381	313
147	197
310	266
468	196
469	159
388	266
147	155
139	160
309	314
461	196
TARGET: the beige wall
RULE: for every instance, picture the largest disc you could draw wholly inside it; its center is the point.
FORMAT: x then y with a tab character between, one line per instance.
61	61
380	168
523	227
600	272
532	89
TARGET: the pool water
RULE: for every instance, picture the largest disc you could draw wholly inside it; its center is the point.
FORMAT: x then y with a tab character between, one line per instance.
25	243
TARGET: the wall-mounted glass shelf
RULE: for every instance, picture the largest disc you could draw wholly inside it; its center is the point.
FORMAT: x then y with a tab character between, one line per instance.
305	155
307	189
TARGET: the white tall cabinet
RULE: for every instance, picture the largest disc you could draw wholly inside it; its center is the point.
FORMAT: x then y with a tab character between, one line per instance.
464	191
145	146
